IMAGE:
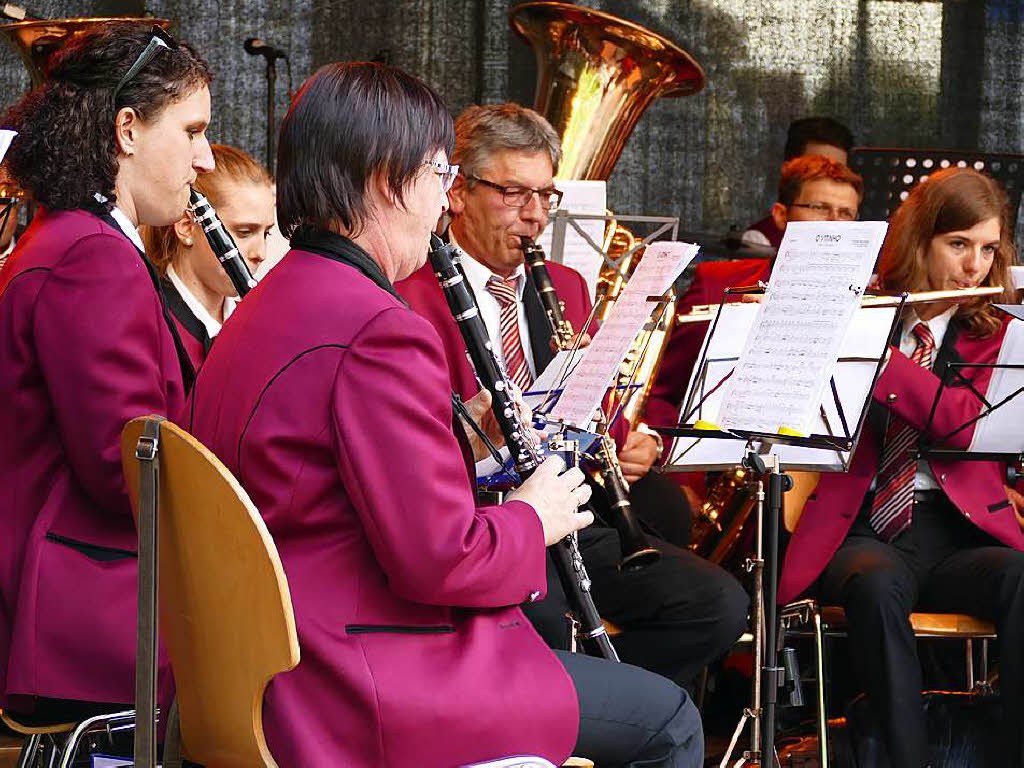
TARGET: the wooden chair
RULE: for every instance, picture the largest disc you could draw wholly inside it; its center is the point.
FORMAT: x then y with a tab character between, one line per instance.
225	608
806	618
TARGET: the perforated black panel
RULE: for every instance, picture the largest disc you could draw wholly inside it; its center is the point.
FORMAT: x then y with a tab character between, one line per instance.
890	174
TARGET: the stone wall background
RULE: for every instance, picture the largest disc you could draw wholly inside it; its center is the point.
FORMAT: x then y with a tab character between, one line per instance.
925	73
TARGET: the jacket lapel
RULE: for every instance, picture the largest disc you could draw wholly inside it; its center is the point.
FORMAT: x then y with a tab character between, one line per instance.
538	327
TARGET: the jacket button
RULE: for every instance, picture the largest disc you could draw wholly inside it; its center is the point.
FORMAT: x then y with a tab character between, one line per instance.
967	515
942	477
534	596
892	397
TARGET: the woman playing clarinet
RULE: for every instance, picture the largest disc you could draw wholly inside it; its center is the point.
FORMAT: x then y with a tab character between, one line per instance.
111	140
338	421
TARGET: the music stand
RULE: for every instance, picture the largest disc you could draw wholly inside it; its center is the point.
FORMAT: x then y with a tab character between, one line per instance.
772	482
998	396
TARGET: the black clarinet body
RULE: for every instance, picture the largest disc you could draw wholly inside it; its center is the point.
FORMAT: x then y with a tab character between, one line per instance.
566	555
636	551
221	244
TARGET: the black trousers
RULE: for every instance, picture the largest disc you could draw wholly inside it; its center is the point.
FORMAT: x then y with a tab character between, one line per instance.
941	563
631	717
676	615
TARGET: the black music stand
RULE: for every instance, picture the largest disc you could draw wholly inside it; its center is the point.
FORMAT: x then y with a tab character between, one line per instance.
772	483
890	173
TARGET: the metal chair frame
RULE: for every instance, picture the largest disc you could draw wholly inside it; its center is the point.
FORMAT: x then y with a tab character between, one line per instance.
41	748
805	618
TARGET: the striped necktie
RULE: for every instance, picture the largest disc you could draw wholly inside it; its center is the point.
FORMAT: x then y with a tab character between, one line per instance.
894	497
504	291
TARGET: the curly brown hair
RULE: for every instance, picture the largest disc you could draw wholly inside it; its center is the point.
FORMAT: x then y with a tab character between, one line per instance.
949	200
65	150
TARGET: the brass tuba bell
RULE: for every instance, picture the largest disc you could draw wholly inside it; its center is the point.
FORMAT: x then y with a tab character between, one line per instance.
596	74
37	41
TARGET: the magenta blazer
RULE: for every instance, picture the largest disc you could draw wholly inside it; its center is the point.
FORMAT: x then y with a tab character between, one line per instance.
974	487
329	400
84	348
423	293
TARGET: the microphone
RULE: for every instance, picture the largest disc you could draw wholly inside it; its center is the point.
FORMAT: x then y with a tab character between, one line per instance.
256	47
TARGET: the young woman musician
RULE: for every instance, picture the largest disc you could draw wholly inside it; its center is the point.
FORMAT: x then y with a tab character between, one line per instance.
902	532
111	140
199	292
338	422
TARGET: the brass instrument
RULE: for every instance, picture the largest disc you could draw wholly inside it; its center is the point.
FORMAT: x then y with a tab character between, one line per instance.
597	73
37	41
719	524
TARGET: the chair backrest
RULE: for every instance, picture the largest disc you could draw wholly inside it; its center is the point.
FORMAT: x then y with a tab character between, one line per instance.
890	174
225	609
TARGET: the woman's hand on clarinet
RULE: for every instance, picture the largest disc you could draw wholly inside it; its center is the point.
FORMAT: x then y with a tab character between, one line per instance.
556	497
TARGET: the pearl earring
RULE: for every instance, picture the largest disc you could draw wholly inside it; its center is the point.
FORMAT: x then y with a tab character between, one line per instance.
188	242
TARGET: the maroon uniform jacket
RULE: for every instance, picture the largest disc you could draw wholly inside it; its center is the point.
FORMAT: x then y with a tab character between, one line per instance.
974	487
84	348
424	294
330	402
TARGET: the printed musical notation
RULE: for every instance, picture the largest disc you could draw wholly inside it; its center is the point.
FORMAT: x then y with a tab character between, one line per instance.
791	352
660	266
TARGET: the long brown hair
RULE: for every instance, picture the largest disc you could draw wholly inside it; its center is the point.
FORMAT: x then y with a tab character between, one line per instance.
230	165
949	200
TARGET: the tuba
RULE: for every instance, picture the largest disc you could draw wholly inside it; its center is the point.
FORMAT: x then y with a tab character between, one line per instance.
596	74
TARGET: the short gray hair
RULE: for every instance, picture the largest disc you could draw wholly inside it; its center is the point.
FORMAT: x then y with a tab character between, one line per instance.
482	131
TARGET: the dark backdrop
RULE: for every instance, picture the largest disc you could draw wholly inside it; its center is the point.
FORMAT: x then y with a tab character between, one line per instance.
938	73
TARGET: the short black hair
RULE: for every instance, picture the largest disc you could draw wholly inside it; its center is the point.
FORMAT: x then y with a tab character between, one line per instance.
816	130
348	122
65	150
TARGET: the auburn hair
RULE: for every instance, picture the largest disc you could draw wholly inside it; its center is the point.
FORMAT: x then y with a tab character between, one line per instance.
950	200
231	166
801	170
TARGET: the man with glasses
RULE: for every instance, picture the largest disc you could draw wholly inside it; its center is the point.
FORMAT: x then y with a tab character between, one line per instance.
679	613
820	136
811	188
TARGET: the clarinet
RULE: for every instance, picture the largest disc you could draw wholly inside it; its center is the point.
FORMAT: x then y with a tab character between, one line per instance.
637	553
220	241
568	562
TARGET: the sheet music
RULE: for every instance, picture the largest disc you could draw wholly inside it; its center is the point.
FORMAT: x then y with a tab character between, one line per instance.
1001	431
6	137
589	197
863	346
816	284
660	266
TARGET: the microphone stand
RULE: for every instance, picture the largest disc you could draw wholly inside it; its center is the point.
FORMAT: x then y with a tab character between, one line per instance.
271	133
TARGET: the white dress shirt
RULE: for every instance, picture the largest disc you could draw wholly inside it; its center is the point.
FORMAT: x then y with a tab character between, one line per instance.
212	326
477	274
924	480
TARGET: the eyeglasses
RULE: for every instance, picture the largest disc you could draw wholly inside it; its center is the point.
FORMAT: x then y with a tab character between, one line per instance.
828	212
520	197
445	171
159	40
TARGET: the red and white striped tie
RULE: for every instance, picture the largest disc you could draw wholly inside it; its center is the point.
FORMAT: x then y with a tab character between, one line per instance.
504	291
894	497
